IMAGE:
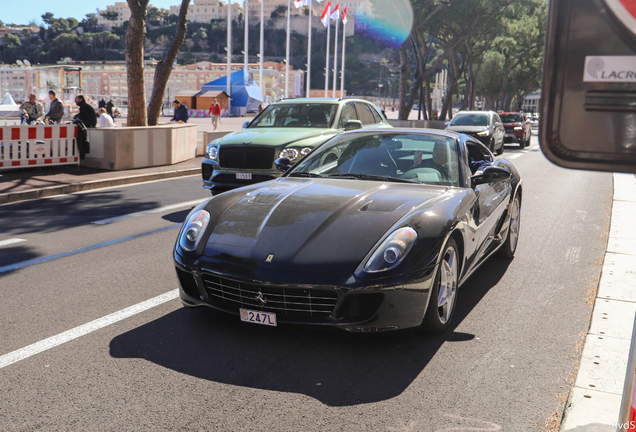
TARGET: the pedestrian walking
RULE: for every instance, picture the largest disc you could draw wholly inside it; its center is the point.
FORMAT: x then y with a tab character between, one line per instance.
101	103
104	119
215	112
56	109
31	111
180	112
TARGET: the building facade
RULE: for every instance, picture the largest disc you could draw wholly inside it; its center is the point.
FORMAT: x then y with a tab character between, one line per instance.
123	15
109	80
208	10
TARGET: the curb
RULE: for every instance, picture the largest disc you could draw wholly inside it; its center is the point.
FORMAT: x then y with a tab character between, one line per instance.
93	184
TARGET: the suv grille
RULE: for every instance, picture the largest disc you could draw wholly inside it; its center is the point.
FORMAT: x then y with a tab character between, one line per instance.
308	305
246	157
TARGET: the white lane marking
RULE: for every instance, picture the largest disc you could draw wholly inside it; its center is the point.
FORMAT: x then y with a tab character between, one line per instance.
514	156
155	210
11	241
85	329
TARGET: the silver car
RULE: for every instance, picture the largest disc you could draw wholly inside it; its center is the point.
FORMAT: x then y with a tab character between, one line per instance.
486	126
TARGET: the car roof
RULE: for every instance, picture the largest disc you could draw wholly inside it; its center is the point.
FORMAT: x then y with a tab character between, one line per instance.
334	101
475	112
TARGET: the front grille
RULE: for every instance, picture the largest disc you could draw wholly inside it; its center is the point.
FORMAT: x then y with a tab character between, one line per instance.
246	157
231	179
296	304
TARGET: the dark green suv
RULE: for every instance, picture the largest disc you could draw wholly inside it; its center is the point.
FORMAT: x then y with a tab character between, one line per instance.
289	129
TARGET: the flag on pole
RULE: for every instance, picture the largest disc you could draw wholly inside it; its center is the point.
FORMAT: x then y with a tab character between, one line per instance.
301	3
325	14
344	15
335	15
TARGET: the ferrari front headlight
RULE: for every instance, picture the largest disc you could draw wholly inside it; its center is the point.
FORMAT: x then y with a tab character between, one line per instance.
212	151
193	229
392	251
289	153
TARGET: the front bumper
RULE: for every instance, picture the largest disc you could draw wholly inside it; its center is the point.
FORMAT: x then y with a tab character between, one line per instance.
338	301
222	179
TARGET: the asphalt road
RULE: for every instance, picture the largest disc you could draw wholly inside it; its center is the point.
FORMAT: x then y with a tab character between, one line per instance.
160	367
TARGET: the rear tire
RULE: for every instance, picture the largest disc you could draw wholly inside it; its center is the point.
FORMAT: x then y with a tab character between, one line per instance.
510	244
441	307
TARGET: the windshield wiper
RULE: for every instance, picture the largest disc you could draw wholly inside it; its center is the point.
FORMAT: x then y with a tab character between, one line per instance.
372	177
304	174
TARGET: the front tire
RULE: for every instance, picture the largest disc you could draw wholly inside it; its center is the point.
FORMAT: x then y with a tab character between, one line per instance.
441	307
510	244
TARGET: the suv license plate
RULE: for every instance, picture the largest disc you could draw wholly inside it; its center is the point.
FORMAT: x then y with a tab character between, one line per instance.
257	317
244	176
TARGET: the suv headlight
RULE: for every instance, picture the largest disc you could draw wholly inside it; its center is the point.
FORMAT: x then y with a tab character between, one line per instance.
289	153
518	128
392	251
212	151
484	133
193	229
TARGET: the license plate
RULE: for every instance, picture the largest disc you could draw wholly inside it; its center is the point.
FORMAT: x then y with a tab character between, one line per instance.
244	176
257	317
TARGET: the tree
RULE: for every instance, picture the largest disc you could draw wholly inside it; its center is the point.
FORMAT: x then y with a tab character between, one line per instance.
90	20
135	35
110	15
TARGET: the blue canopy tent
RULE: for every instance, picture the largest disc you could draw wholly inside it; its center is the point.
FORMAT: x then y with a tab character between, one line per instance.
245	93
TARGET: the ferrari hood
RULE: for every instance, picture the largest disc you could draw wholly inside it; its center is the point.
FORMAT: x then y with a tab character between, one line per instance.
274	136
311	224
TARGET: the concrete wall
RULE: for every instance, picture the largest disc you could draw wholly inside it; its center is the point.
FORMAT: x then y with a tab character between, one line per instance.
139	147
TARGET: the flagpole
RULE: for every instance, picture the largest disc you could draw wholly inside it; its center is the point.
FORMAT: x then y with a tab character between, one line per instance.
335	57
344	40
246	42
327	66
260	71
309	51
229	56
287	53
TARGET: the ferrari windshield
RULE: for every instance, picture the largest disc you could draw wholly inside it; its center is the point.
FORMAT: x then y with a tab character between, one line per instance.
470	120
511	118
297	115
398	157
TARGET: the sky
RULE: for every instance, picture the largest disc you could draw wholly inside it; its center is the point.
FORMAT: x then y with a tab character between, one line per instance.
16	12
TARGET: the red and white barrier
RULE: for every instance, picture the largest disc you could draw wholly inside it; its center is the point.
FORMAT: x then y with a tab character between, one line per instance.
27	146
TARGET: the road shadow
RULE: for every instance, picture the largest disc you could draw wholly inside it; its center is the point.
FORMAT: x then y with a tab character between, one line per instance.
15	254
336	368
177	217
67	211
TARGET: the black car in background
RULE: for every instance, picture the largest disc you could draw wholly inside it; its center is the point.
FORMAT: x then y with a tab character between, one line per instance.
486	126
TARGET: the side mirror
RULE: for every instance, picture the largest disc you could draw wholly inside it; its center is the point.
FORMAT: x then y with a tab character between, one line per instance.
282	164
497	124
490	174
446	123
353	125
245	124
